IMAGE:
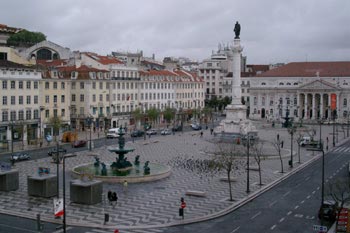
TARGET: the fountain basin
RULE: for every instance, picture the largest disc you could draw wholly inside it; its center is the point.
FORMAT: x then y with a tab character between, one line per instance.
134	175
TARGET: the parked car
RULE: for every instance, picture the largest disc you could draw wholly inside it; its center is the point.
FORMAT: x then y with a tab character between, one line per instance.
79	143
137	133
165	132
19	157
53	151
328	210
151	132
196	126
308	141
177	128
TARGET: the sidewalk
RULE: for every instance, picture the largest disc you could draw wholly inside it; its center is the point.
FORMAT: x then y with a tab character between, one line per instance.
155	204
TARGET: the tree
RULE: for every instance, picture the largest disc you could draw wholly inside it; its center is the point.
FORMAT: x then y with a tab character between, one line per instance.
257	149
152	114
56	123
278	144
226	158
25	38
339	190
137	115
168	114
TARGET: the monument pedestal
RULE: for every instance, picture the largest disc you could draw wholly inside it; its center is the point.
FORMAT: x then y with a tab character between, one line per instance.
86	192
42	186
9	180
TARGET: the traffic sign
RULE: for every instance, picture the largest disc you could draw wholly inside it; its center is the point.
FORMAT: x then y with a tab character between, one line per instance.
320	228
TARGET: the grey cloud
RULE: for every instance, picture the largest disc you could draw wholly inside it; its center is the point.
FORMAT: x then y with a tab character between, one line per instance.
272	31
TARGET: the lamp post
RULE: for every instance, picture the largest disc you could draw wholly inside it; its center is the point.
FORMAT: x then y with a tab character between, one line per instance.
333	116
89	121
248	135
64	188
291	130
58	168
322	181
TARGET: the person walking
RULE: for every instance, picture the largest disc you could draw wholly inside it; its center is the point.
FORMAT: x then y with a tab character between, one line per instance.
201	134
109	196
114	198
125	186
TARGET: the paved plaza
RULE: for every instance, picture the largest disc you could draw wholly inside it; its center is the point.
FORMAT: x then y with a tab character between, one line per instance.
147	207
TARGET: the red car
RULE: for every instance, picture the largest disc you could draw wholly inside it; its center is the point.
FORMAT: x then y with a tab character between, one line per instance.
79	143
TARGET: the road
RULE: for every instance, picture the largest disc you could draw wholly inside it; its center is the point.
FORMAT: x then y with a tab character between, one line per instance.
291	206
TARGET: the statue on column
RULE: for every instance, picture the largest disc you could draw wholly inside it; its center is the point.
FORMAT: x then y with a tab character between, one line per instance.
237	30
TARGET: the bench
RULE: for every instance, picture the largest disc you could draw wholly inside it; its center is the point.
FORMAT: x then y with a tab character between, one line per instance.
232	179
196	193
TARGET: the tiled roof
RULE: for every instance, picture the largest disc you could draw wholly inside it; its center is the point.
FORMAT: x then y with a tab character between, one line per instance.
7	29
9	64
310	69
104	60
50	63
175	73
66	71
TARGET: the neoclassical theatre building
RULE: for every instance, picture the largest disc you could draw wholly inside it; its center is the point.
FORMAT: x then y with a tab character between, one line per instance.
306	91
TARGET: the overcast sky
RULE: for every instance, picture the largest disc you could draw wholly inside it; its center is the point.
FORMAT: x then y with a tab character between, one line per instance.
271	30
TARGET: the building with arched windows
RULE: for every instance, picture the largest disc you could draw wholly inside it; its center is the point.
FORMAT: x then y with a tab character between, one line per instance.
306	91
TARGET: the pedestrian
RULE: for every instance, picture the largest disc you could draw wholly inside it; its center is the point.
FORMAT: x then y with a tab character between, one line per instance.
282	144
114	198
211	131
201	134
109	196
125	186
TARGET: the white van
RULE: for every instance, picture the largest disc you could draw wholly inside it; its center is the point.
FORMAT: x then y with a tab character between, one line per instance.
114	133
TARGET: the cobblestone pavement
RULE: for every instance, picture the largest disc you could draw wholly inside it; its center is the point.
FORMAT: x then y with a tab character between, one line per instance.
147	206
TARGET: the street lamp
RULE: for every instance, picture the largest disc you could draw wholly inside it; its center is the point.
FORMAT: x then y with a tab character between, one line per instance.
322	185
291	130
64	188
333	116
89	121
247	144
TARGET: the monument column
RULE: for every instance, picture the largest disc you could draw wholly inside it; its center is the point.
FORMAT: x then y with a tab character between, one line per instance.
321	105
313	106
305	107
236	73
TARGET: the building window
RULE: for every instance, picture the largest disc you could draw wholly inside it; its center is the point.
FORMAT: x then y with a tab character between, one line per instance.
5	116
93	85
55	85
255	100
73	97
73	85
36	99
63	99
13	85
47	113
28	84
345	102
81	98
63	85
28	114
101	85
13	100
47	85
13	115
93	98
20	85
81	85
20	99
4	84
47	99
4	100
28	99
21	115
36	114
63	112
55	99
55	113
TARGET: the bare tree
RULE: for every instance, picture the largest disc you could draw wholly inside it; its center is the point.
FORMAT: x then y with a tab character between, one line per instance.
225	158
277	144
298	140
257	149
339	190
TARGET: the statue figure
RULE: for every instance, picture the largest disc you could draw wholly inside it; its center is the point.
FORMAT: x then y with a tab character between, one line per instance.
104	169
237	30
146	168
97	162
137	160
